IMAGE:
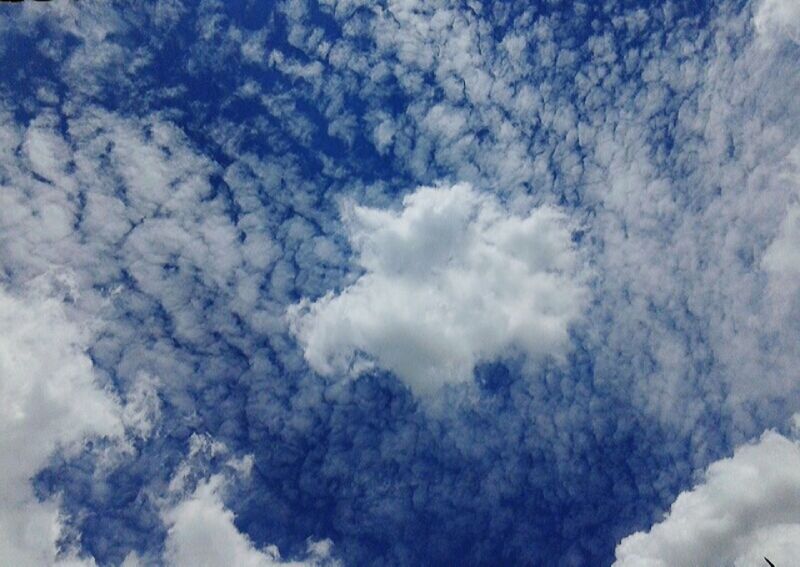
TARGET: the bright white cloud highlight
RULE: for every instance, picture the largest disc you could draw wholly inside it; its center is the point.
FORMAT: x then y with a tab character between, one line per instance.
202	534
776	18
783	256
450	280
747	508
49	399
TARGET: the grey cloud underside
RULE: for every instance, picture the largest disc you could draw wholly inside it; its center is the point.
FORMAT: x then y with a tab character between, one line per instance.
185	167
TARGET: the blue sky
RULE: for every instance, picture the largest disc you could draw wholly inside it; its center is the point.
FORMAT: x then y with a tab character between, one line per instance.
399	283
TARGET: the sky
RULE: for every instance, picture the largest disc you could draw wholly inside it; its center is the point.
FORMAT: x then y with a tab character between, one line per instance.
399	282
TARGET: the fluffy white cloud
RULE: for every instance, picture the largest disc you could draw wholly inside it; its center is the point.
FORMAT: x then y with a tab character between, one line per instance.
450	280
777	18
201	530
202	534
781	259
748	507
49	400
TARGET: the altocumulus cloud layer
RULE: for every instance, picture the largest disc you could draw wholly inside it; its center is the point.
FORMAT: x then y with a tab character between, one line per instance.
410	283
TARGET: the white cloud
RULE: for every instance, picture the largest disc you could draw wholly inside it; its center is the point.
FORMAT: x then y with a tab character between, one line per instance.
451	280
783	255
142	409
776	18
49	400
694	318
748	507
202	534
781	259
201	530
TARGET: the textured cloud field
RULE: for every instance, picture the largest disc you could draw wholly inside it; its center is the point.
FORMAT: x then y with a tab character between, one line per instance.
399	283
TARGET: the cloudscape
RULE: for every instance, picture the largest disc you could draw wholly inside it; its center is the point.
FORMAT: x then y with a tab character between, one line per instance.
399	282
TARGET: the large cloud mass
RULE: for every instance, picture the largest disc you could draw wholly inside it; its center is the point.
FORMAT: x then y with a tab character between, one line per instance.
50	400
746	508
450	280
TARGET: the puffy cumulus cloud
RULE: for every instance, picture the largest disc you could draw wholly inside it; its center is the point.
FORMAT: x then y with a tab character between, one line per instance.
450	280
201	532
50	400
746	508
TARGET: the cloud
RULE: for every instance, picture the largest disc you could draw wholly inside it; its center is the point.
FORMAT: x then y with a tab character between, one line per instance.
201	533
775	19
451	280
781	262
201	530
50	400
192	222
781	259
747	507
142	410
